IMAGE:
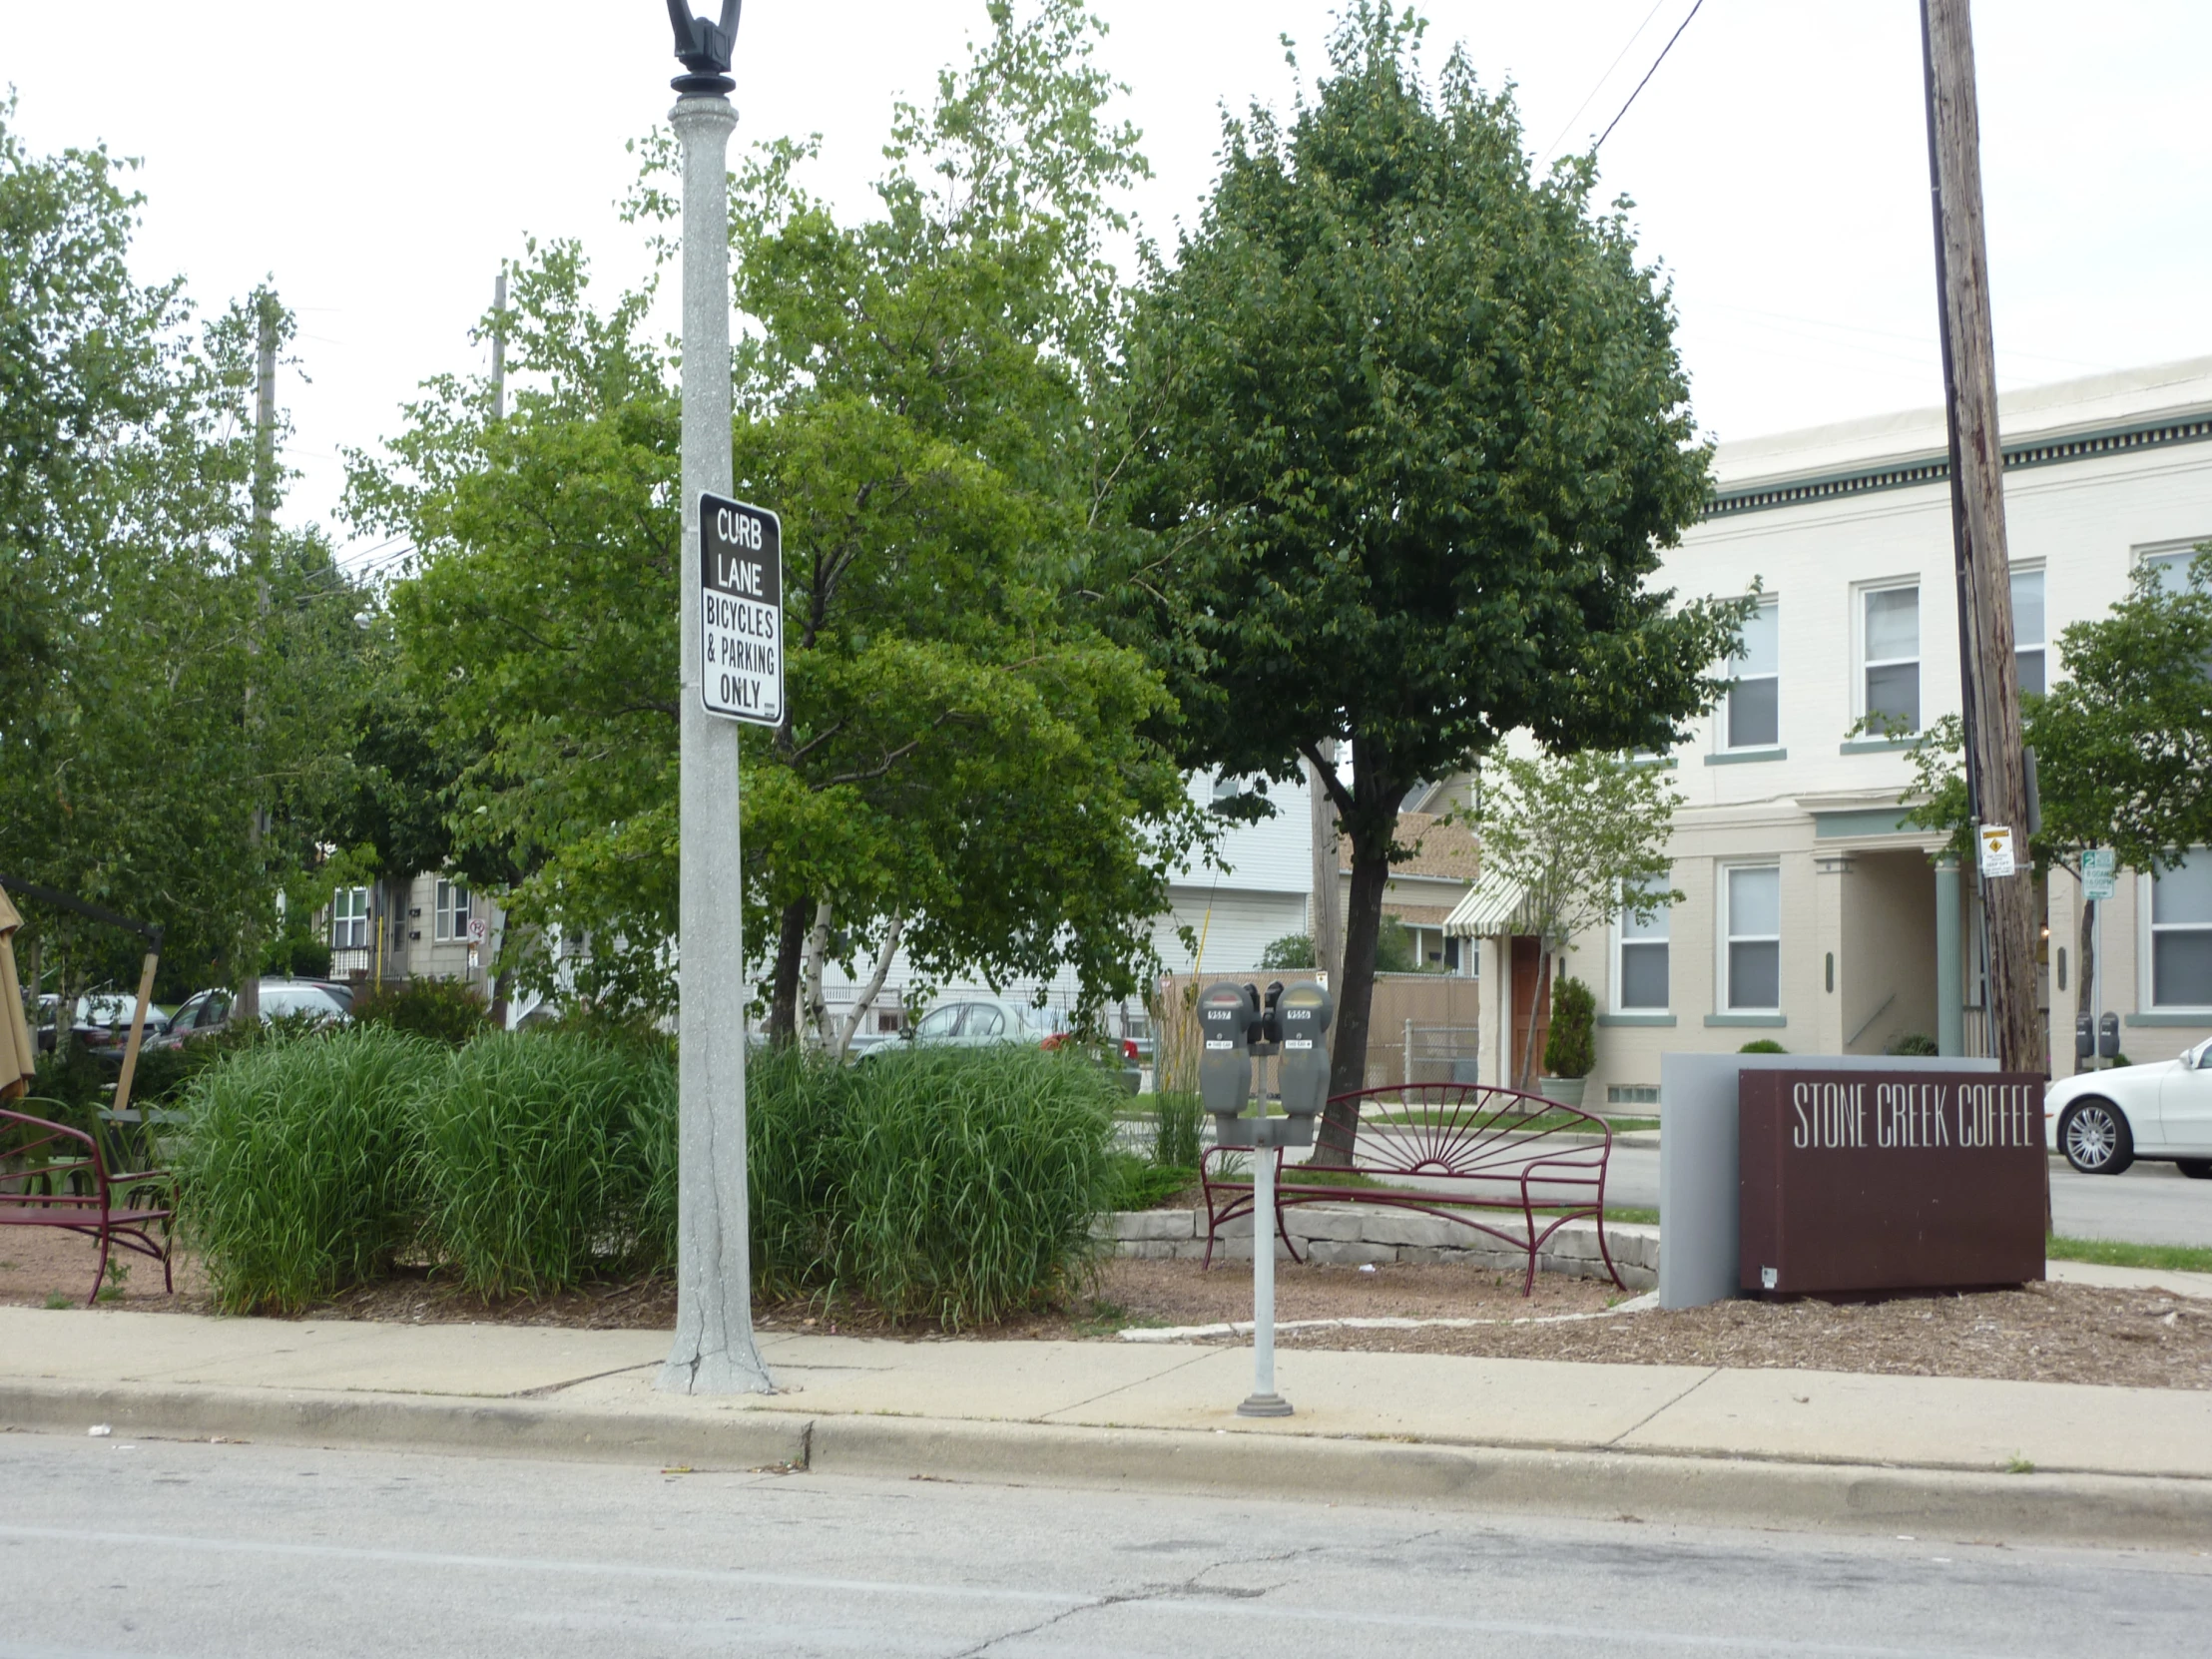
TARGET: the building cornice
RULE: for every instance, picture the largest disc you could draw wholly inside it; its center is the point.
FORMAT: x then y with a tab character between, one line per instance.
1934	467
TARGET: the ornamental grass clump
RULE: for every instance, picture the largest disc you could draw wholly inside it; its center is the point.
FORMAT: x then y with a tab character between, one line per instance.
542	1154
299	1172
964	1182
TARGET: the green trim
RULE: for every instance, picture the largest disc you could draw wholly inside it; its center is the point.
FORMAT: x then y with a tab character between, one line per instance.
1768	1020
2202	1017
1934	467
1869	820
1876	745
1745	756
1635	1019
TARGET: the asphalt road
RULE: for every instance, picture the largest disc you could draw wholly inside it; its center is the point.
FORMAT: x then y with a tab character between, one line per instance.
2150	1204
172	1549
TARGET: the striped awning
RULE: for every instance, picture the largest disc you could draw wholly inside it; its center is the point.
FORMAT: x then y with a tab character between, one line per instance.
1494	906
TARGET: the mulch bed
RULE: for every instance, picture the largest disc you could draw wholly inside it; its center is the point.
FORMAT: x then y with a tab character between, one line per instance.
2041	1333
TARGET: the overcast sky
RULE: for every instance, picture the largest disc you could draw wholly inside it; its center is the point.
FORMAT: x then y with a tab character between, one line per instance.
381	160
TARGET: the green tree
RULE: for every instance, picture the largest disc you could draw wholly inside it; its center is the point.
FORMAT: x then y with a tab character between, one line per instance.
2123	742
149	704
964	773
1584	837
1415	432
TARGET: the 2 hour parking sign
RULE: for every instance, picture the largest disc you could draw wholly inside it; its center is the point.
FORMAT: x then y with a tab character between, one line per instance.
741	597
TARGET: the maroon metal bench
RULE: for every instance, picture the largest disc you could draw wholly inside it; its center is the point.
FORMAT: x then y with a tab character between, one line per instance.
1462	1151
55	1176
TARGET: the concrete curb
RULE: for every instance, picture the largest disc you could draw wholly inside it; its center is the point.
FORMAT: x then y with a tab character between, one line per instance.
2056	1509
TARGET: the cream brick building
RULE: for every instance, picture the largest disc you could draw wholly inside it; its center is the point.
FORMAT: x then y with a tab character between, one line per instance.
1810	913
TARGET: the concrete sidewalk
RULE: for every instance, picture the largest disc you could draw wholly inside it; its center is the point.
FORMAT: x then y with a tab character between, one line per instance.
1785	1448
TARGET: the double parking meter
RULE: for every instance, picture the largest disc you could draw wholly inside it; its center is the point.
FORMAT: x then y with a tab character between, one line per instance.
1237	1025
2100	1040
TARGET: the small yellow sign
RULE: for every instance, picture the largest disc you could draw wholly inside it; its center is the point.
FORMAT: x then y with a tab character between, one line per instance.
1997	849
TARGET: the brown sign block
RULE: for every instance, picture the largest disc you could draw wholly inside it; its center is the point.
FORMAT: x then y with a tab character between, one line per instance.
1859	1181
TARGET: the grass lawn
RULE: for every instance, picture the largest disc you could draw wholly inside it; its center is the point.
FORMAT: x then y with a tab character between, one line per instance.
2115	1253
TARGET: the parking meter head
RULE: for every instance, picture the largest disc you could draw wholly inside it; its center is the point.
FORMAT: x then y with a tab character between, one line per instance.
2085	1037
1304	1013
1225	1016
2108	1038
1271	1024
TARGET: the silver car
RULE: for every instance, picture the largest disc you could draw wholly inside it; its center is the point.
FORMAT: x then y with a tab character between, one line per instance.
984	1022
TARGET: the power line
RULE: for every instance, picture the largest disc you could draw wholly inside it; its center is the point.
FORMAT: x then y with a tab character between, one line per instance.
1599	84
1648	74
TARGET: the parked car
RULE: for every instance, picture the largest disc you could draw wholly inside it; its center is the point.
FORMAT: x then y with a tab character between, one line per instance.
2104	1120
209	1010
102	1020
985	1022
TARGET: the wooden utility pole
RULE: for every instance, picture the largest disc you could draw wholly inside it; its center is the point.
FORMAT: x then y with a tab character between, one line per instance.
1328	931
248	1010
1996	784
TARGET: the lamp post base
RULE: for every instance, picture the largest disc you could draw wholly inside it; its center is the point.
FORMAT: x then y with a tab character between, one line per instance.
1264	1405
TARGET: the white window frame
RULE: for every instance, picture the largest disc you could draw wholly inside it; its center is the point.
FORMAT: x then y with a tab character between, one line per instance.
452	921
2177	553
2147	930
1724	921
1728	745
2040	644
1863	665
344	915
1622	944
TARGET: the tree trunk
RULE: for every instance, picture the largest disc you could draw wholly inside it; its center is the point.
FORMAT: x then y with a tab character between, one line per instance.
841	1038
1539	999
817	947
783	1006
1348	1060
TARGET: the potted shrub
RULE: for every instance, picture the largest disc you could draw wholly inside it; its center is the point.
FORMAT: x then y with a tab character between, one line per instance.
1571	1048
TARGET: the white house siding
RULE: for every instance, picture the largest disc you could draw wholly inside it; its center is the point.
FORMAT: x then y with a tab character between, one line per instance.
1852	884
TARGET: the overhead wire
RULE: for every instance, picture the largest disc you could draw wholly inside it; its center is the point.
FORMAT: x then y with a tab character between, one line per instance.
1599	84
1648	74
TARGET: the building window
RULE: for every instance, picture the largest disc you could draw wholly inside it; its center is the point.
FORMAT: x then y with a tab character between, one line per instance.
1891	654
350	919
1640	978
1754	702
2172	568
452	913
2027	631
1754	941
2181	935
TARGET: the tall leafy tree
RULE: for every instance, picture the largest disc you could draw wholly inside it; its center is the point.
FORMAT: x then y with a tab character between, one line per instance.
2123	742
133	634
1414	432
965	772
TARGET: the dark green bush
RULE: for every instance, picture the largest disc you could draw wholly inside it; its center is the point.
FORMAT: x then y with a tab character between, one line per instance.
299	1172
1141	1183
1761	1046
450	1011
1571	1048
1915	1043
540	1154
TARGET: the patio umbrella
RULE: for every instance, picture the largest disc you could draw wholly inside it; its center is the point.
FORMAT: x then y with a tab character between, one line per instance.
17	1060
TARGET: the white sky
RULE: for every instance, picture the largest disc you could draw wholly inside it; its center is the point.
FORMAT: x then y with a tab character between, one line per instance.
379	161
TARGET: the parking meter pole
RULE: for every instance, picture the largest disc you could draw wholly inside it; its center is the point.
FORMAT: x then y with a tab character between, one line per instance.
1264	1401
714	1351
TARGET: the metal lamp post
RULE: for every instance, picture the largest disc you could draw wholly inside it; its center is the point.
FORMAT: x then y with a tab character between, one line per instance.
713	1351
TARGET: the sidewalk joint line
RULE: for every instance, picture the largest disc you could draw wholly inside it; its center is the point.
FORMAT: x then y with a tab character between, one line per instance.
1667	1405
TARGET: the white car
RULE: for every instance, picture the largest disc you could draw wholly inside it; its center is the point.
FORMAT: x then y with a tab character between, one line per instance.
2104	1120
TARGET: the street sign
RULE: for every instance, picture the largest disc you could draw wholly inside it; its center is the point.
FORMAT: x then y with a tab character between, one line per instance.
478	928
740	585
1997	848
2099	864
